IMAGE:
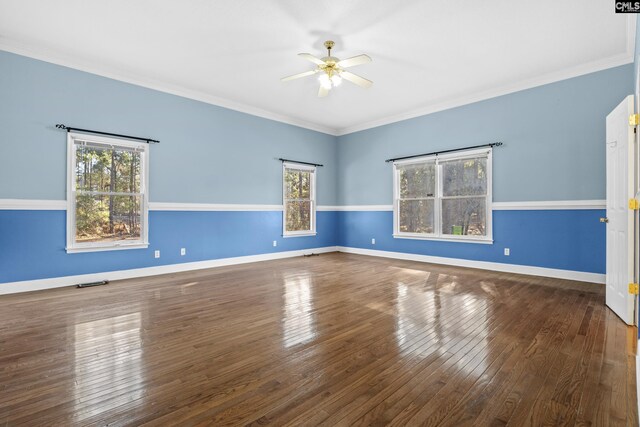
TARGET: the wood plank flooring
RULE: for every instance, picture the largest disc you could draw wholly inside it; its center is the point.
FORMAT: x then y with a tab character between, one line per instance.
332	340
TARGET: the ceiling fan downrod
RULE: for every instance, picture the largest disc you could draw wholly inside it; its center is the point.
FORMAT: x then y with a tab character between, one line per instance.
329	45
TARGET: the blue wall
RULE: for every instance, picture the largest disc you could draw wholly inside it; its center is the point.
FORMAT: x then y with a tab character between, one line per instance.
207	154
553	150
553	141
561	239
33	242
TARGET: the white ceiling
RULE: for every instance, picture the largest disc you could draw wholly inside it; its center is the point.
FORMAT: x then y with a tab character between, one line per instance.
427	55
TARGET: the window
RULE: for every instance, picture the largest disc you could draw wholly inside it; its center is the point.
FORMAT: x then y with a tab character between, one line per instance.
107	194
444	197
299	199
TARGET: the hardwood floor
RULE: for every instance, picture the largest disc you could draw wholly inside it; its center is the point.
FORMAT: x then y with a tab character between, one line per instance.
333	340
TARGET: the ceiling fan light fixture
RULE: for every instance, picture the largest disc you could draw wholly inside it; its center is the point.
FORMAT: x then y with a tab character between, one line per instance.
325	81
332	70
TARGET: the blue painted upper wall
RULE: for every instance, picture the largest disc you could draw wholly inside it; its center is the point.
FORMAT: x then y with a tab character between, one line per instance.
553	137
207	154
553	141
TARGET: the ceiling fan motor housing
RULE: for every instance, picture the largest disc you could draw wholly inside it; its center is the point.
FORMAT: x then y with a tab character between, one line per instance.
331	65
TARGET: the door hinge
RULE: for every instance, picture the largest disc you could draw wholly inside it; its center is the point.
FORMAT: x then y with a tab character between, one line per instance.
634	120
634	204
633	288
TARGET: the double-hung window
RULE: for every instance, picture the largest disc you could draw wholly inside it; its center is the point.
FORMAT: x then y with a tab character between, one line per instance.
299	199
444	197
107	201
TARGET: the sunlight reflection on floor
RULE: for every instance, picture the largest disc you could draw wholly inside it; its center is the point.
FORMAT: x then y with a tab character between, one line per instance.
97	366
418	311
299	324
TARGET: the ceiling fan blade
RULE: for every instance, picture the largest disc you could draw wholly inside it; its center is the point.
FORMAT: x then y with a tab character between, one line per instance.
353	78
353	61
299	75
312	58
322	92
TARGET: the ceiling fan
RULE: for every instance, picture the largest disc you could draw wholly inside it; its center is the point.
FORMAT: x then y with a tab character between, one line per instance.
332	70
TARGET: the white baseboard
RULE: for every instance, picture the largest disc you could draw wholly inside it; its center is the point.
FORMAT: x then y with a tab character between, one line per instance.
484	265
58	282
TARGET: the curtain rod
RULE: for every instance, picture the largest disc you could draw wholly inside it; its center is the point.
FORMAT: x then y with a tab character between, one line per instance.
302	163
493	144
97	132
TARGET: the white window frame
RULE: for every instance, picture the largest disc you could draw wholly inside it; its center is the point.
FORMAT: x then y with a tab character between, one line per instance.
301	233
143	242
437	223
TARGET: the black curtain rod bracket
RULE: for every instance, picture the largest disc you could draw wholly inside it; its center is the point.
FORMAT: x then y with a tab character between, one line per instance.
435	153
299	162
117	135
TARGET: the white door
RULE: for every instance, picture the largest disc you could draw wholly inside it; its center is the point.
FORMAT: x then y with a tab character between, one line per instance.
620	188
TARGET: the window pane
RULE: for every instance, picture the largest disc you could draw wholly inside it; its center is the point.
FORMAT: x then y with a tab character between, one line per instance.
297	184
416	216
298	216
107	218
466	177
417	180
465	217
107	170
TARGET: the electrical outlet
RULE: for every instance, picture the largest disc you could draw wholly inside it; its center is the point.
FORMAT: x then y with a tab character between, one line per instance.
275	243
507	251
373	241
156	254
183	251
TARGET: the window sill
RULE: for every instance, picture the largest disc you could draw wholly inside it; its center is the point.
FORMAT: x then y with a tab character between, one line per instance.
286	236
482	241
115	247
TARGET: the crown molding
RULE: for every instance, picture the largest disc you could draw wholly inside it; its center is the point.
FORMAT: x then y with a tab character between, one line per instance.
593	67
48	55
580	70
161	86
